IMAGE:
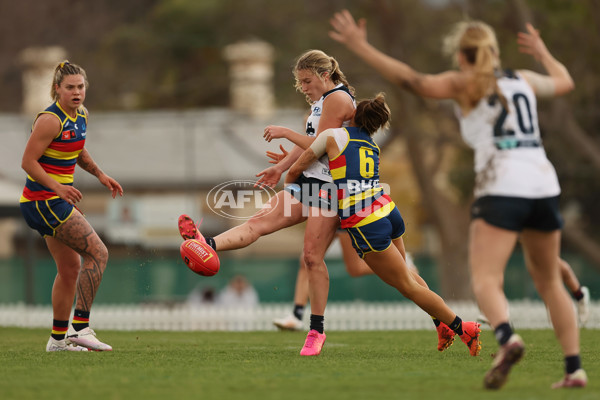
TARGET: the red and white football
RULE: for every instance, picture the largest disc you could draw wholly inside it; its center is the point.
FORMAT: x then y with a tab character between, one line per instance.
200	257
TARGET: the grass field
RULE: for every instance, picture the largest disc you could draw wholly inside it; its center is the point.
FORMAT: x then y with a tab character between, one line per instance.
266	365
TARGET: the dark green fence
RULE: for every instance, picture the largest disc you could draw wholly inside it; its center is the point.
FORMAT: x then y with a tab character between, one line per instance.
164	278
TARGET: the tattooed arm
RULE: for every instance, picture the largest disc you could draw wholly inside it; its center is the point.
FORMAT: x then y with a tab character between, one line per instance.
86	162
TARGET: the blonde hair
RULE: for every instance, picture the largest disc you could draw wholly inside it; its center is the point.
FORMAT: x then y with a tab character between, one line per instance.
320	64
63	69
372	114
477	42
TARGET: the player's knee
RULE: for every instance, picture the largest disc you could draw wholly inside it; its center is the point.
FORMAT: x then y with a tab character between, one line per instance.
312	259
482	287
353	273
98	253
309	260
356	271
255	228
406	290
69	272
547	284
102	250
103	254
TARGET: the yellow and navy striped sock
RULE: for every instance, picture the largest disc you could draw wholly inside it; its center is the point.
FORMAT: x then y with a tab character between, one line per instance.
456	325
59	329
81	320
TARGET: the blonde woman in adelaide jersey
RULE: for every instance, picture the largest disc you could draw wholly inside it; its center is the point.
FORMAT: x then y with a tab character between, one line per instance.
55	147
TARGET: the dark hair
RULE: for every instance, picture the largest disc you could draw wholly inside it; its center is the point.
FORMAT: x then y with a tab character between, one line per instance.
372	114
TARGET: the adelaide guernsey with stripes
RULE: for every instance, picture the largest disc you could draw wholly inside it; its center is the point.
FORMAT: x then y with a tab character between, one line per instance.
60	157
42	208
365	210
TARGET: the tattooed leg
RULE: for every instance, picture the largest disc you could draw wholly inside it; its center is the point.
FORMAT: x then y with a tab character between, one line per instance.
79	235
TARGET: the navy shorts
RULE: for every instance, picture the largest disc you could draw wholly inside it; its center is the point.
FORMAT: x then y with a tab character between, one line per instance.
313	192
517	213
46	215
378	235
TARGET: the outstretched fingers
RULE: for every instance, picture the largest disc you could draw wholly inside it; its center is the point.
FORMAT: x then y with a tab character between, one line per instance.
346	28
530	42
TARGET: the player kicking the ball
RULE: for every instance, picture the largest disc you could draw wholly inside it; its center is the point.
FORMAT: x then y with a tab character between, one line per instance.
319	77
370	216
375	225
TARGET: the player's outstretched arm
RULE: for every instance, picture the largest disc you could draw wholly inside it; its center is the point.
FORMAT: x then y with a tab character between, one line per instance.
353	35
530	42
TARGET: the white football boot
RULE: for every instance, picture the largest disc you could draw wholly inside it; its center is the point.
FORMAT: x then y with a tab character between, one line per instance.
87	338
62	345
289	323
583	306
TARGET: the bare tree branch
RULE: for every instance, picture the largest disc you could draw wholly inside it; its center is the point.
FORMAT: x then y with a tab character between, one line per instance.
562	122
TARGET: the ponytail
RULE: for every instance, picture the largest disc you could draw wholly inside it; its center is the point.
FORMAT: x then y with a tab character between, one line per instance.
337	76
372	114
477	42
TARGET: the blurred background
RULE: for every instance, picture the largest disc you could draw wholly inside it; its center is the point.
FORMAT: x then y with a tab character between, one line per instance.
181	90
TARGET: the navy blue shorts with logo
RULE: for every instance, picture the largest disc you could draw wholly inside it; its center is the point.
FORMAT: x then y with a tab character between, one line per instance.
313	192
377	236
46	215
517	213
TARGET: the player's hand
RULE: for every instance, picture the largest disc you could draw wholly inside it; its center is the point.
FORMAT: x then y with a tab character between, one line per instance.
69	194
268	177
112	184
274	132
531	43
347	31
277	157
